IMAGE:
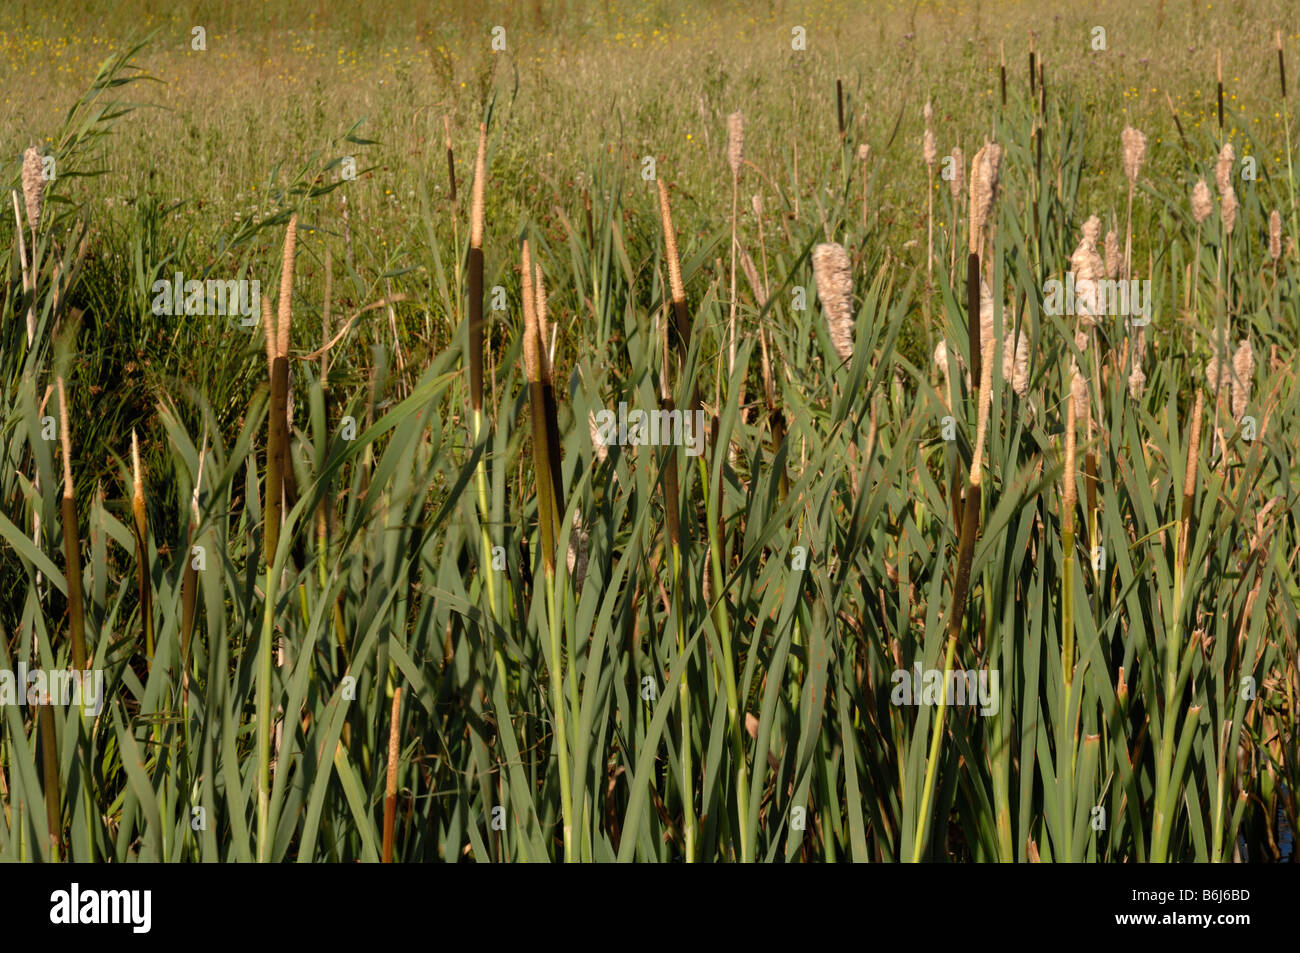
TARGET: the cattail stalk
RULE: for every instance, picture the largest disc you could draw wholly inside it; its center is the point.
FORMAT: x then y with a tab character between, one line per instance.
475	334
547	522
1218	71
142	575
1002	70
672	510
961	585
71	540
1032	67
277	462
929	154
735	157
1165	800
1135	151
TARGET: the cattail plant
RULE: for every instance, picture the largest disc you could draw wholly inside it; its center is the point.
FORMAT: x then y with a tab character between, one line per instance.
834	277
839	105
864	152
71	539
1281	62
474	329
1218	74
1135	153
34	199
1032	65
1223	167
1275	236
1202	206
1111	249
669	484
1002	75
961	586
390	778
956	187
141	545
735	157
1243	372
548	507
929	154
277	465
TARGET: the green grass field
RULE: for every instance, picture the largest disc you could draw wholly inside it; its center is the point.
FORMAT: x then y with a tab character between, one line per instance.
376	587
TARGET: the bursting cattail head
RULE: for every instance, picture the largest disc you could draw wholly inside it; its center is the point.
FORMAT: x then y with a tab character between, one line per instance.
1228	208
1275	235
735	141
1201	204
956	182
1079	395
1015	360
577	555
1112	254
751	275
834	278
1137	382
1243	372
597	438
864	151
1135	152
985	168
986	314
757	204
33	186
1223	168
928	151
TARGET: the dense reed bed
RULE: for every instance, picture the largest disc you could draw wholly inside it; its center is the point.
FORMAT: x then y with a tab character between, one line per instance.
402	597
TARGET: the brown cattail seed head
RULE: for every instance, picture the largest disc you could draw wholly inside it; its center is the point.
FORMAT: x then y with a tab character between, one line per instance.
1223	168
1135	152
864	151
33	186
928	150
757	204
1275	235
834	279
735	141
1243	372
1228	207
1201	204
957	181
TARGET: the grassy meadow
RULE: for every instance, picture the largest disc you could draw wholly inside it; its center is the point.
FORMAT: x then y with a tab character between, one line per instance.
367	580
